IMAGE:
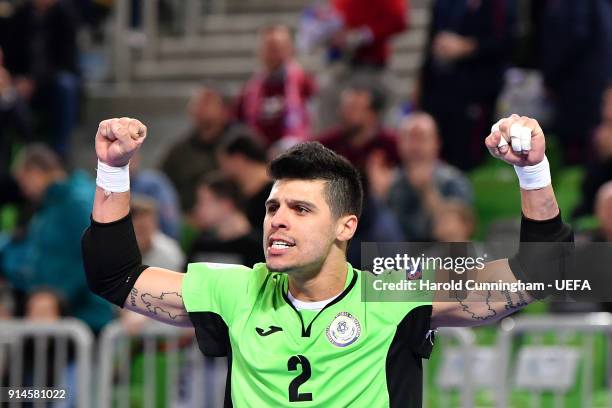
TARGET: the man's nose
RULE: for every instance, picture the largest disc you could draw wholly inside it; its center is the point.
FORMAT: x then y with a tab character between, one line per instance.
279	219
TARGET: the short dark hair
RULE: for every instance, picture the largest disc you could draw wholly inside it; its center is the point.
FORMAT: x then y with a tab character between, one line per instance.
224	188
245	144
313	161
378	100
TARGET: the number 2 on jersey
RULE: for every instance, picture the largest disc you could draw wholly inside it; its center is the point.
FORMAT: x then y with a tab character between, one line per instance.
294	394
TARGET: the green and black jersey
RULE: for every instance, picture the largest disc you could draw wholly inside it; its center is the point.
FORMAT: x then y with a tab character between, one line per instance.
351	353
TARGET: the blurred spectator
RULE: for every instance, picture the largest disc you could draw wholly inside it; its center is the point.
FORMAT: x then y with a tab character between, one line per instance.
281	146
42	56
154	184
50	252
45	305
424	182
453	221
361	48
15	121
244	160
595	258
599	168
364	41
227	236
361	131
376	224
576	60
156	248
7	304
603	213
194	155
274	101
470	43
93	14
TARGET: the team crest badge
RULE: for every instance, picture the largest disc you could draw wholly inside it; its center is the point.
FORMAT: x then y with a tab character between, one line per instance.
343	330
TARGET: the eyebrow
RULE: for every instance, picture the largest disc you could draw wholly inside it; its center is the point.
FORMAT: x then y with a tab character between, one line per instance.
271	201
304	203
293	203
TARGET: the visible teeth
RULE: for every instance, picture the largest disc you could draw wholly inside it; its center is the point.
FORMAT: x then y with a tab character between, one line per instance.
280	244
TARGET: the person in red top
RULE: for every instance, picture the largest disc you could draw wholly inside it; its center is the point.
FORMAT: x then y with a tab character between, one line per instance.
274	101
361	49
361	135
368	27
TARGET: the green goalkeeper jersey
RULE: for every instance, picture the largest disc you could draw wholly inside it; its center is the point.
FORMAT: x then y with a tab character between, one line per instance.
352	353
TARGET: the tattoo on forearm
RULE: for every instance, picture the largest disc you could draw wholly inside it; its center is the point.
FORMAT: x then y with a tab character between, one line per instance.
154	310
133	294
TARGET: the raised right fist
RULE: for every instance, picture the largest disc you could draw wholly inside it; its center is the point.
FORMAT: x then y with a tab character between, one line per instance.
118	139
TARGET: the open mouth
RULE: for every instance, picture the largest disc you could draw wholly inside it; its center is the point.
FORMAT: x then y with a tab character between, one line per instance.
277	244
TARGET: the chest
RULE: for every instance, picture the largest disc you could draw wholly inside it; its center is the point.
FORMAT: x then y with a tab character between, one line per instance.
275	339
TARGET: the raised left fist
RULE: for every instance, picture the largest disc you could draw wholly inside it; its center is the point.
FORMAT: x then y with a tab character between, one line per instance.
517	140
118	139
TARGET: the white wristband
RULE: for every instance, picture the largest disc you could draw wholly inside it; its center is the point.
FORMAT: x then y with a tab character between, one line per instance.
534	177
113	179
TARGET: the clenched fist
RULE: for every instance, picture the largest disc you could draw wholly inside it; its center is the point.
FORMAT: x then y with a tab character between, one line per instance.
517	140
118	139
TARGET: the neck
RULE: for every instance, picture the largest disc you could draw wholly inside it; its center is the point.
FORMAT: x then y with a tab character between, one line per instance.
327	283
364	134
407	165
253	180
146	246
56	176
234	226
211	132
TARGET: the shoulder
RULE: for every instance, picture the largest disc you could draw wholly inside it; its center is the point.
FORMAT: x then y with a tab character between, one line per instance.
387	135
201	273
183	143
452	177
78	191
393	293
449	172
167	244
223	280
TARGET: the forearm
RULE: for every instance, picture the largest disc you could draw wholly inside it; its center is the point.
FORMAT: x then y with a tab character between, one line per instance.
539	204
110	207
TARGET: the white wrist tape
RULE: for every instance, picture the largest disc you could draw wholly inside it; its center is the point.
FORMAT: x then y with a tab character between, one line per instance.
113	179
534	177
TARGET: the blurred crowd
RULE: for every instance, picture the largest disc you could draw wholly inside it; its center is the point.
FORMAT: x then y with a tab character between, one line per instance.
204	201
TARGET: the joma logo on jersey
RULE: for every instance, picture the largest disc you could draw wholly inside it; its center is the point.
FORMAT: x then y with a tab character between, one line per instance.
343	330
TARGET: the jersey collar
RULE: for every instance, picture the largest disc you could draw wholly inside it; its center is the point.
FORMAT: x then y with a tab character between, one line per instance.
347	288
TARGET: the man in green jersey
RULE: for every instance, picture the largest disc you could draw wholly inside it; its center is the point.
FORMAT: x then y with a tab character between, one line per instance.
295	328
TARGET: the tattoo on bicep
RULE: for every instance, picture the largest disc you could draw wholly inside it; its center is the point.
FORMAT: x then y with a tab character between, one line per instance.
511	304
476	314
133	294
149	301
